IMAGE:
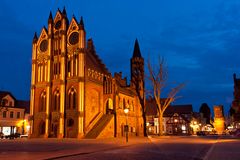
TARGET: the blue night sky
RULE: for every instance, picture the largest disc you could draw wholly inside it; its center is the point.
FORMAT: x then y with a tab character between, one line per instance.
199	40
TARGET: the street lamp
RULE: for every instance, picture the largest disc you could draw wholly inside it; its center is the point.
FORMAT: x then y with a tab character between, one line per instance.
126	110
23	125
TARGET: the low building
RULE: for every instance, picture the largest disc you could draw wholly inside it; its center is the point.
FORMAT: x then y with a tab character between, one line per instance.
13	114
177	119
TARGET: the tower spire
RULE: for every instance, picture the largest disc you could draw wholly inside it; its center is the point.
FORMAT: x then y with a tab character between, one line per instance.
50	18
136	51
81	24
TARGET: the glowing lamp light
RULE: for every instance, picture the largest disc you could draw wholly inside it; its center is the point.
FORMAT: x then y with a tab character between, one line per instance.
126	110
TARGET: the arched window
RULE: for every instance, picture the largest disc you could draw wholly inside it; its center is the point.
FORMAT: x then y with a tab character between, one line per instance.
56	101
42	102
72	99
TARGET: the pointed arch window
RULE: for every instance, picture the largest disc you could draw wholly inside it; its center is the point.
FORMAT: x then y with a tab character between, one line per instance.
42	102
72	99
56	101
124	103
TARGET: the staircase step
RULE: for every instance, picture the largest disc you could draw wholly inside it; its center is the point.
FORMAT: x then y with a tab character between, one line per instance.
99	126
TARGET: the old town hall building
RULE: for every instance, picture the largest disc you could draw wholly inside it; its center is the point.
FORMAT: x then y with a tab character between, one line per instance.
73	95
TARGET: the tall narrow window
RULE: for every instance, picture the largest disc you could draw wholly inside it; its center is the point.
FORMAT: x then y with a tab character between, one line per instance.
69	67
18	115
72	99
42	105
11	114
56	101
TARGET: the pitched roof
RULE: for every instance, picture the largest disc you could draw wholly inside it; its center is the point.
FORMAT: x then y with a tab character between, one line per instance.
23	104
151	108
180	109
5	93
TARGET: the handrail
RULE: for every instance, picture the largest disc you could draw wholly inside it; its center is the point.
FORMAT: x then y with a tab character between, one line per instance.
94	121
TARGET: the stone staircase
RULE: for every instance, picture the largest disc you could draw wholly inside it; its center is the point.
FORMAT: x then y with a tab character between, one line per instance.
99	126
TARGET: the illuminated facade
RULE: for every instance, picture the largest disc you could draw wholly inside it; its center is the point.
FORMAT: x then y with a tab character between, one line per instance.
13	114
219	122
72	92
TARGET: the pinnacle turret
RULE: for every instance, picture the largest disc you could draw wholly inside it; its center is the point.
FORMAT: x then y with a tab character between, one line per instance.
35	38
50	18
64	13
81	24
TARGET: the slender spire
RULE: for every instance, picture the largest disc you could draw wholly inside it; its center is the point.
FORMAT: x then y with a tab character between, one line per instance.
136	51
35	38
64	12
50	18
81	23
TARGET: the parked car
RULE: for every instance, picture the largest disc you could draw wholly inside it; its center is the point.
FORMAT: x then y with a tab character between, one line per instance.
13	136
201	133
1	135
237	132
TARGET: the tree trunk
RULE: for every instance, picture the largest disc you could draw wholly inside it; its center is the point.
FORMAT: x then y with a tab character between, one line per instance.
160	124
144	125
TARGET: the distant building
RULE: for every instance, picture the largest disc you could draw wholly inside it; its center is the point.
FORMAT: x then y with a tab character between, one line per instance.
72	92
219	120
13	114
235	109
176	119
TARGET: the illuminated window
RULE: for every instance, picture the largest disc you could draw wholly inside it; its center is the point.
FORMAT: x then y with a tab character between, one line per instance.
72	99
42	103
56	101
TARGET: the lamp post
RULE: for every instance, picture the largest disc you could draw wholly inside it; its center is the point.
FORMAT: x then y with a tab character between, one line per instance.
23	124
126	110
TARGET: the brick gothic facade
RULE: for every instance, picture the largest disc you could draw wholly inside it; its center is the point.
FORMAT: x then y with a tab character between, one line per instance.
72	92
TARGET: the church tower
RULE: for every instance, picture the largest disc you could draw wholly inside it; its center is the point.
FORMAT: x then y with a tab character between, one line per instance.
137	70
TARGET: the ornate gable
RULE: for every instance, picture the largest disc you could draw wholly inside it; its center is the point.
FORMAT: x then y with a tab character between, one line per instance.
43	41
73	26
57	20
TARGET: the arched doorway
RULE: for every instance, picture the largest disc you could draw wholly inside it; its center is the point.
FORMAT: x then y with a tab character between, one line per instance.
42	128
70	128
109	106
55	128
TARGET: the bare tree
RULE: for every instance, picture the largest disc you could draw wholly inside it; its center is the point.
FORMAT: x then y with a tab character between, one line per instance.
158	76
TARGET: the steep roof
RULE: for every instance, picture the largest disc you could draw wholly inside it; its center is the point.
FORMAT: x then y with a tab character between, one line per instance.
136	51
93	60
